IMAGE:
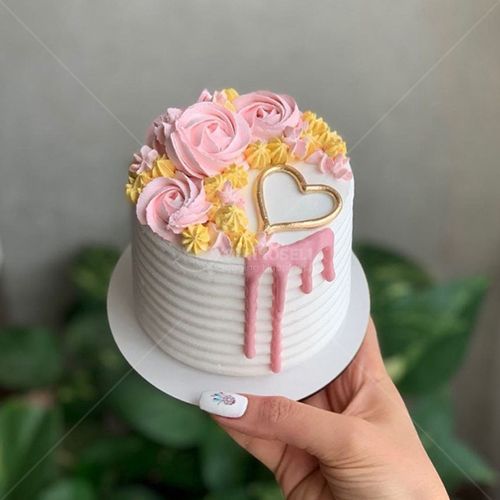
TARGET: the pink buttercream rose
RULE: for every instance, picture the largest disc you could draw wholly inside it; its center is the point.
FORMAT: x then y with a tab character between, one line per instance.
143	160
203	139
169	205
266	113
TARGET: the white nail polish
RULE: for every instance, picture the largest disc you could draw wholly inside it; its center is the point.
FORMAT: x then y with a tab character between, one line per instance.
224	404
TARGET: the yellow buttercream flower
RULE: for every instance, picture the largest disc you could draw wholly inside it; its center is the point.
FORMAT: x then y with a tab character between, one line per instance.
196	238
236	175
309	116
162	167
313	142
135	185
244	243
231	219
231	94
257	155
332	144
316	126
216	204
212	185
278	151
133	189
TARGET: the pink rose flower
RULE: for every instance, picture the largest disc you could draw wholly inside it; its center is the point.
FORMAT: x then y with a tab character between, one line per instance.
266	113
204	139
169	205
143	160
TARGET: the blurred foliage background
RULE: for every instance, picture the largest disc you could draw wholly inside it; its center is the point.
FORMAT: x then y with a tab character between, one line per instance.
77	423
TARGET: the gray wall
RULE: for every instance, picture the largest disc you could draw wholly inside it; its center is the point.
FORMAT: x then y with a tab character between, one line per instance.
413	86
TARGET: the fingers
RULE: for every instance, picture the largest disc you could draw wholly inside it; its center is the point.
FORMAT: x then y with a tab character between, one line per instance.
369	355
267	452
311	429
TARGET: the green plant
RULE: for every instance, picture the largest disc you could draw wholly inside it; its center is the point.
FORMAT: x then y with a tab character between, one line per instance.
77	423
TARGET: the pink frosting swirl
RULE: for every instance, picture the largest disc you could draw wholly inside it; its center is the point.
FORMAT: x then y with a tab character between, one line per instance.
203	139
169	205
267	113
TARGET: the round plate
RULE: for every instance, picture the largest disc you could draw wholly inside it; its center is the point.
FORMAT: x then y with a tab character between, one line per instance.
187	384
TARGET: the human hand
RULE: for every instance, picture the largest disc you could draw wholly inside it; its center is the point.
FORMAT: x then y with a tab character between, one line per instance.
352	440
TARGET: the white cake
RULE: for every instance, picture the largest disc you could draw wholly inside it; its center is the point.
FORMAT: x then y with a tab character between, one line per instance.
218	286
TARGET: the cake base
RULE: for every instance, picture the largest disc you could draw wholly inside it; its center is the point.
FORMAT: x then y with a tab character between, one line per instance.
185	383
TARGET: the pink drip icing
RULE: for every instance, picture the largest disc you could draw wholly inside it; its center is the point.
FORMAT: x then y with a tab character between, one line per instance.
281	258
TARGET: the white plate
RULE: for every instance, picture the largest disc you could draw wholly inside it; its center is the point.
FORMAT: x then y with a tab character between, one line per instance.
186	383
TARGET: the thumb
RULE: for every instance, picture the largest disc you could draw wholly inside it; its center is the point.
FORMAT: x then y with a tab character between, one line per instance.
319	432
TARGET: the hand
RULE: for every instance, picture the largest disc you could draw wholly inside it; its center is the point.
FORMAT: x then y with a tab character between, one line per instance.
352	440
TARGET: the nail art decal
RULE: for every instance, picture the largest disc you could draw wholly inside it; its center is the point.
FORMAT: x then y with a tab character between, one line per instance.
221	397
224	404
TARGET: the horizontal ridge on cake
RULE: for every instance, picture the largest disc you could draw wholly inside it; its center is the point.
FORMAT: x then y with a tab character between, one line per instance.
242	233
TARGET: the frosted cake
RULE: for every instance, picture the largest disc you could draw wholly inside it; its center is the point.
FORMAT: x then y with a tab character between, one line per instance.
242	233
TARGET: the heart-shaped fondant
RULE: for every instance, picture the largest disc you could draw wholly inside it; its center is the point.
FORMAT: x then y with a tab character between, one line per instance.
268	227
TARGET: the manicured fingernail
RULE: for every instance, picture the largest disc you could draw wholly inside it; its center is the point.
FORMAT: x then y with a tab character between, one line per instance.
224	404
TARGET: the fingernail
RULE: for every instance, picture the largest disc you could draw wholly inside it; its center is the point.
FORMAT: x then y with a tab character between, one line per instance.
224	404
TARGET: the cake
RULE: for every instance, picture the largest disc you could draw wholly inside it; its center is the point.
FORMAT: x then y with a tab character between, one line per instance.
241	248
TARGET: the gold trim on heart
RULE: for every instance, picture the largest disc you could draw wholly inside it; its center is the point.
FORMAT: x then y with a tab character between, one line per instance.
304	188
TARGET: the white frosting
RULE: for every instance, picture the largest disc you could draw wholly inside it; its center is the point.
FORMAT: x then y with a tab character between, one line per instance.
194	308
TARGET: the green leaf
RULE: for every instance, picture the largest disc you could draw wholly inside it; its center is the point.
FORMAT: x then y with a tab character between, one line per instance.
134	493
180	469
266	491
157	416
231	494
224	463
29	358
455	462
390	276
116	458
89	341
69	489
28	434
253	491
429	332
91	272
96	363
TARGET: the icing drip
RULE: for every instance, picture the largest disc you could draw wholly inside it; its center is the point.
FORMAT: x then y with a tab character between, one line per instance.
280	259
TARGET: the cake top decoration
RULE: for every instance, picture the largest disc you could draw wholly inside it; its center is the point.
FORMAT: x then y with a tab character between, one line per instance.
188	180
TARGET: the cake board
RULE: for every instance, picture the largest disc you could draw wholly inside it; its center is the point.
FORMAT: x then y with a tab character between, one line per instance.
186	383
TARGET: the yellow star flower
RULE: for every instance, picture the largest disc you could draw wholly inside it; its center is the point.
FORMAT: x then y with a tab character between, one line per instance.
278	151
135	185
316	126
212	185
244	243
231	94
196	238
257	155
231	219
162	167
332	144
236	175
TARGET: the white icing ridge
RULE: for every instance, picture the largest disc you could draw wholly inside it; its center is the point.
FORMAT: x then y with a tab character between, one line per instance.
194	308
